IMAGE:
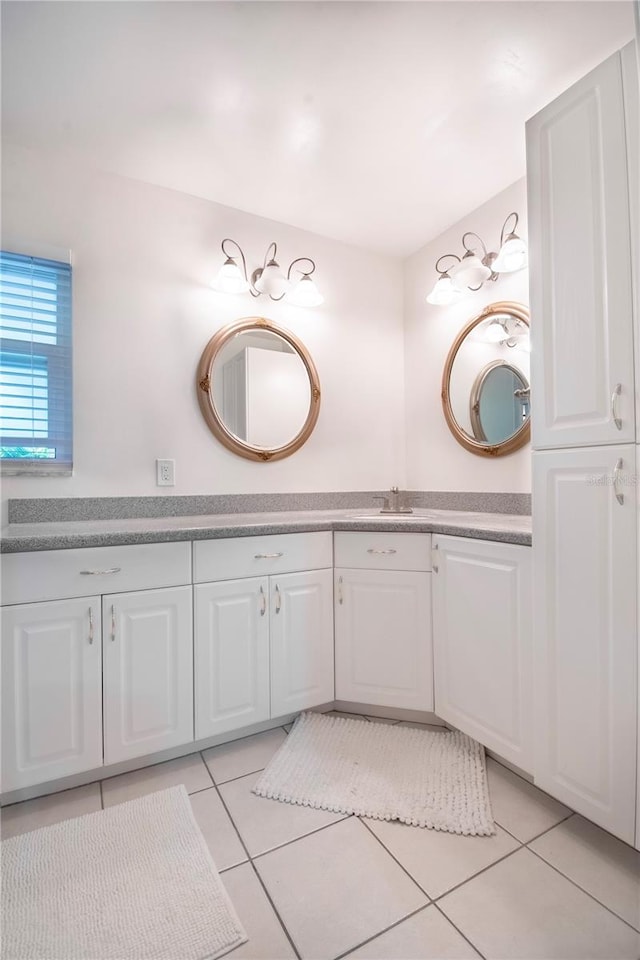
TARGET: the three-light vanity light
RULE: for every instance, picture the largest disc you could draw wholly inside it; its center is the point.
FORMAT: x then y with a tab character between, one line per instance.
296	286
471	271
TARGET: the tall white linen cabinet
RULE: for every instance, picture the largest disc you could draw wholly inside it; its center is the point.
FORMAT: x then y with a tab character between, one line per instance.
583	178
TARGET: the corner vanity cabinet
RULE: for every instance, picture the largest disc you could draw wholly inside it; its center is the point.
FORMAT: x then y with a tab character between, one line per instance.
482	643
384	652
93	649
263	628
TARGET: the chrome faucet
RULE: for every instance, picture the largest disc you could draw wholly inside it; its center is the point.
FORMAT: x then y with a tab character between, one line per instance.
393	503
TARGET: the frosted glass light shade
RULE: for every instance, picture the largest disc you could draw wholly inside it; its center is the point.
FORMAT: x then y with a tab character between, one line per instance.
470	272
305	293
444	292
496	332
272	281
512	256
230	278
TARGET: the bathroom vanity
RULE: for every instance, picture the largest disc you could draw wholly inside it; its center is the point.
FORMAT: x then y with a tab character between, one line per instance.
123	654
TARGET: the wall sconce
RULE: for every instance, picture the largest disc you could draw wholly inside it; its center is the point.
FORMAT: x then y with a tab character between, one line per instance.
269	278
470	271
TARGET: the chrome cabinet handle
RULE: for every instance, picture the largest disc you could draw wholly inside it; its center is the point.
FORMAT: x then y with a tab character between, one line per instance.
100	573
278	599
614	405
263	603
434	559
616	479
90	624
267	556
340	595
382	552
113	623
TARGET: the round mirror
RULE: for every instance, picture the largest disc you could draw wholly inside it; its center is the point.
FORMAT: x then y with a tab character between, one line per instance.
485	384
258	389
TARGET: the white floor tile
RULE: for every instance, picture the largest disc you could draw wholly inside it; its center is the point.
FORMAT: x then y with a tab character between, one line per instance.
437	860
43	811
240	757
217	829
426	936
190	771
267	940
336	888
520	807
521	908
382	720
264	824
606	868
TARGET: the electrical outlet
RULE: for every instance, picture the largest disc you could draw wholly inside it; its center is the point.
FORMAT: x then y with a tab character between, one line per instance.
165	473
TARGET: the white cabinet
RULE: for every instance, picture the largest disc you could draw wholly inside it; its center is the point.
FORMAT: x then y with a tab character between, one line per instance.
263	645
51	691
147	672
383	646
581	277
231	654
482	643
301	606
585	583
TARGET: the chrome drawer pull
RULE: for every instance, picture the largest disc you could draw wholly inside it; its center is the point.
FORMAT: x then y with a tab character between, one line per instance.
267	556
616	478
385	552
263	603
100	573
90	624
614	406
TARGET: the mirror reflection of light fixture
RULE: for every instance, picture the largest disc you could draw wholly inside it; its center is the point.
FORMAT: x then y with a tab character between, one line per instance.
269	279
473	269
510	334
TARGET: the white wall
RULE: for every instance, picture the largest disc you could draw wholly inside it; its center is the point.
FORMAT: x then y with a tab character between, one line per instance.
435	461
143	312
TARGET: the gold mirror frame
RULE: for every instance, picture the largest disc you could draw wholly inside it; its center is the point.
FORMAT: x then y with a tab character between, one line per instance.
521	436
204	379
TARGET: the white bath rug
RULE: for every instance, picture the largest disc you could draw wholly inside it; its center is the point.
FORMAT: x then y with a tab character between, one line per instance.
383	771
134	881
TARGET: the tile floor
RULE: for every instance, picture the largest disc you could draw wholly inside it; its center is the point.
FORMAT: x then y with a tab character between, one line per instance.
319	886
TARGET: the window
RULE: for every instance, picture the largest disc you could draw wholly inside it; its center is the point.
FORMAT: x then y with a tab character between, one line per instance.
35	365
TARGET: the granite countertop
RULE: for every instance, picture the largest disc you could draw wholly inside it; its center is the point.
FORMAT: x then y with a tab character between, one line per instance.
21	537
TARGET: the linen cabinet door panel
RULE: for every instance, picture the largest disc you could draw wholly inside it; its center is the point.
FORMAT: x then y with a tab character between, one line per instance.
384	650
301	641
51	691
581	283
482	643
231	655
148	672
585	638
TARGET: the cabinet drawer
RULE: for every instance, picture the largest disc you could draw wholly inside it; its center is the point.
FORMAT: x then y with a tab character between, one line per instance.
232	559
383	551
60	574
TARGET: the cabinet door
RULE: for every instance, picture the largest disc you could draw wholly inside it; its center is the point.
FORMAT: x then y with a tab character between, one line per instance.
301	641
148	672
482	643
580	246
51	691
585	639
384	651
231	655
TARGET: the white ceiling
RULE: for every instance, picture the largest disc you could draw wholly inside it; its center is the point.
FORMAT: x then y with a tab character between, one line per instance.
376	123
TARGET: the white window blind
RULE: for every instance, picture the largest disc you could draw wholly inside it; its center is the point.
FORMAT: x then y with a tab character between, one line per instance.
35	365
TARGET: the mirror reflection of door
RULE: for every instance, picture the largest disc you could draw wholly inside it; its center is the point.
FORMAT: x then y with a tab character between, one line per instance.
261	389
499	402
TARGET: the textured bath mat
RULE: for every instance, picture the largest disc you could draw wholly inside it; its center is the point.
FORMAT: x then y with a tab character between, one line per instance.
383	771
134	881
